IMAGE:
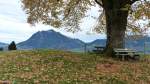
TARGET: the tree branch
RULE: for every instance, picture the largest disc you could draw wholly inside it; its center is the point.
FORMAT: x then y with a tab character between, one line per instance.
132	1
99	3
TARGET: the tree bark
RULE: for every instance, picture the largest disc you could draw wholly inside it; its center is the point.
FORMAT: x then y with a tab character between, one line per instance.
116	21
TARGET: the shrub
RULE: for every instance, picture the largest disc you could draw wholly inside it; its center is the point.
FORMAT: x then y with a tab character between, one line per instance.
12	46
1	49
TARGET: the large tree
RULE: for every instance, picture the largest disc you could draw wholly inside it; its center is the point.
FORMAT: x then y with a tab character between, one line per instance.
117	16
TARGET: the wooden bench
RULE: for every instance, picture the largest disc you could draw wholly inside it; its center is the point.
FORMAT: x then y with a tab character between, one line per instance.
126	54
98	49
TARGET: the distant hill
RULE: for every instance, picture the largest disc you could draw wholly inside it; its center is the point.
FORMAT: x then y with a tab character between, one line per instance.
54	40
98	42
3	44
136	44
51	40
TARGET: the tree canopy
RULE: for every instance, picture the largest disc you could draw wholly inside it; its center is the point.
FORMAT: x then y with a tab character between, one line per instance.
69	13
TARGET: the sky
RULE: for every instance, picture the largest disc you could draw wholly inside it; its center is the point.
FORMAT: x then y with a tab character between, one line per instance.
13	25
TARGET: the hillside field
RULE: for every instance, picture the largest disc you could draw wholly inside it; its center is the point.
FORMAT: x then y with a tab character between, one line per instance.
59	67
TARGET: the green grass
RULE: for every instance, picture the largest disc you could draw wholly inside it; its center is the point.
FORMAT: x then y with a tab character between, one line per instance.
59	67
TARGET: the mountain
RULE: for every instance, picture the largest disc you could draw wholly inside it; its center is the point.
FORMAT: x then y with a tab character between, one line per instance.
136	44
51	40
98	42
139	44
3	44
55	40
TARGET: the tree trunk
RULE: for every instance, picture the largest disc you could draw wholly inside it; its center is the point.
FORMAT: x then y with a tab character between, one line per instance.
116	21
116	12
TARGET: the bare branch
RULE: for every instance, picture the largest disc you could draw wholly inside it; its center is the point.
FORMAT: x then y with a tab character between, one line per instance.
133	1
99	3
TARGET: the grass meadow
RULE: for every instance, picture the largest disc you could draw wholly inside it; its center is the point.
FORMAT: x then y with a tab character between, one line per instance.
61	67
